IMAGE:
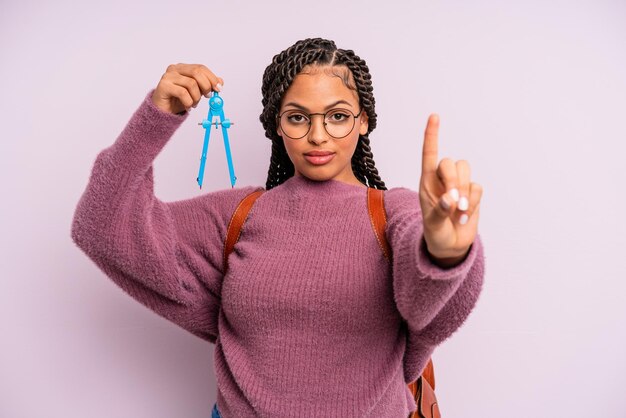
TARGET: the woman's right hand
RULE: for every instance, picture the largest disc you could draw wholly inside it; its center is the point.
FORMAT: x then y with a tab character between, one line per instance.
183	85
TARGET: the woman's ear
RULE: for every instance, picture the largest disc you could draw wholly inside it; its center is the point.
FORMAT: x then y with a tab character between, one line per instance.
363	123
278	130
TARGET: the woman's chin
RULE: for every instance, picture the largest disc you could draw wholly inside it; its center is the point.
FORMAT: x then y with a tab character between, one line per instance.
317	174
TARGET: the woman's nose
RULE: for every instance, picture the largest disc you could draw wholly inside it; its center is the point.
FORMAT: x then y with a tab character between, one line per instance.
317	133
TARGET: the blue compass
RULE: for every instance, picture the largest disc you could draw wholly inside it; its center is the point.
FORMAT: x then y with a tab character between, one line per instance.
216	108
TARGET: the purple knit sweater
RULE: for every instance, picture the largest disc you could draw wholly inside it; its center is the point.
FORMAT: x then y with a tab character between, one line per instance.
311	320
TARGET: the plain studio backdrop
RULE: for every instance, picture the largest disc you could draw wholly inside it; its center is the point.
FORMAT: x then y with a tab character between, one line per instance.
532	94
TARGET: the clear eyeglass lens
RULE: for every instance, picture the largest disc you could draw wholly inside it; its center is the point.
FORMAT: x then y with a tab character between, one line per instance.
296	124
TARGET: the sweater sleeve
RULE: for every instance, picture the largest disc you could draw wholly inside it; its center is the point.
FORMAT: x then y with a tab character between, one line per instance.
434	301
167	256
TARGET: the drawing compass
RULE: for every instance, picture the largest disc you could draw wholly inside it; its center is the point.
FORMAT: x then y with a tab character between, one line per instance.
216	108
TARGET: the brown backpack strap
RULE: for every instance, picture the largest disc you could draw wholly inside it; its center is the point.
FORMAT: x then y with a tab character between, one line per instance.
236	222
423	391
376	209
429	373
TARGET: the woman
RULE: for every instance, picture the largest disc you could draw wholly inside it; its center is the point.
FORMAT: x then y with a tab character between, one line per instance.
309	319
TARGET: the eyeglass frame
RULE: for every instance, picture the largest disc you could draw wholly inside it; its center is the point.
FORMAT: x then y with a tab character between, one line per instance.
308	115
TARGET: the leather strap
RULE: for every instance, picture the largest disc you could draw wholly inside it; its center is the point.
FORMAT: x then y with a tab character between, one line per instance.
427	405
236	223
378	217
429	373
423	391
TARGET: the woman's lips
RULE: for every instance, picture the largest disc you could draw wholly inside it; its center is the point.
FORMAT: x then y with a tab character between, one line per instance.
319	159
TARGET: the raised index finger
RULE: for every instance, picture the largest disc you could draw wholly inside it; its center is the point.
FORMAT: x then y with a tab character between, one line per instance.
430	148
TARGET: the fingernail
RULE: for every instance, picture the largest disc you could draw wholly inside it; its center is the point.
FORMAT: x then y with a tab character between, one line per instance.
463	203
219	86
464	219
454	194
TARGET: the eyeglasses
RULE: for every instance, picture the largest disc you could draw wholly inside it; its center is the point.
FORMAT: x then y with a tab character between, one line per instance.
338	123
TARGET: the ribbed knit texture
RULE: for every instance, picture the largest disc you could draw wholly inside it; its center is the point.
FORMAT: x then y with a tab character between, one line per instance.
310	320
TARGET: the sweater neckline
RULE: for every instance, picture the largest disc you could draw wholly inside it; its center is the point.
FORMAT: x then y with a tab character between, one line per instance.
330	185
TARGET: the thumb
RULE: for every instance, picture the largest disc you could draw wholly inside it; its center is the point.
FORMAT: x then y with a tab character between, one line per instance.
443	209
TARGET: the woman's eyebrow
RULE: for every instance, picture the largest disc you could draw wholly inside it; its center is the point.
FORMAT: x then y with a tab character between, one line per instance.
299	106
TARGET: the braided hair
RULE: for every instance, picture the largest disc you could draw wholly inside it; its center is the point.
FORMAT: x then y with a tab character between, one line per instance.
277	78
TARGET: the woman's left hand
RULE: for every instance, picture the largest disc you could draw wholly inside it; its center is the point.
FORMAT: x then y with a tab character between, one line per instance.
450	202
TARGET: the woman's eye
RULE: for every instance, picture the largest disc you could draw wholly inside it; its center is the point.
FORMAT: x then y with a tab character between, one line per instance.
338	117
296	118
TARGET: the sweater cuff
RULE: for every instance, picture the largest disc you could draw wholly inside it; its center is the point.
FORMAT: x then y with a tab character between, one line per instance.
427	268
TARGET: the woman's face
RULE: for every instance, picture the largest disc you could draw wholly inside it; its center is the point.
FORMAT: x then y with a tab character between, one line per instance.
317	90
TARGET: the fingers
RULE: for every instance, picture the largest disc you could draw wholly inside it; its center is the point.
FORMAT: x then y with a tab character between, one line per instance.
205	78
461	196
476	193
430	147
183	85
463	184
183	95
190	85
446	171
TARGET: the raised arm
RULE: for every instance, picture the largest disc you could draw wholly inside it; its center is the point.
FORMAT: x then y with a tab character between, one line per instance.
438	260
168	256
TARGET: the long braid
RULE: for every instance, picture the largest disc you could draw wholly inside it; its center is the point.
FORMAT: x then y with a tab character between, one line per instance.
363	161
277	78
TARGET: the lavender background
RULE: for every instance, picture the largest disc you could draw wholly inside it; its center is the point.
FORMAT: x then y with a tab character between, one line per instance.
532	94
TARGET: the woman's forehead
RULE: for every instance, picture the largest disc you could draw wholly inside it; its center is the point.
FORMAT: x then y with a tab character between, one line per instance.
316	88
